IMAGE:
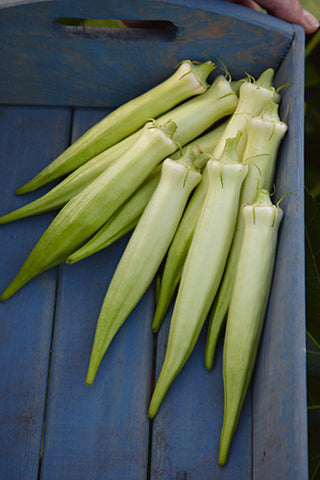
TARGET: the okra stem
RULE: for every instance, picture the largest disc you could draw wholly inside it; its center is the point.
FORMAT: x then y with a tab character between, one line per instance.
85	213
203	267
263	140
247	309
143	254
188	80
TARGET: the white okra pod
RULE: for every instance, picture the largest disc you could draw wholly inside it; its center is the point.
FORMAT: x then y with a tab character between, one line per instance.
188	80
204	265
143	254
263	140
247	309
85	213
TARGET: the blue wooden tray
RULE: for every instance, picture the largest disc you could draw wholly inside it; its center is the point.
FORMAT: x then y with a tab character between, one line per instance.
52	425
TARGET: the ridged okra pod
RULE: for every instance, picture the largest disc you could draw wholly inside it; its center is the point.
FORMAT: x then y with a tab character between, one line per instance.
203	267
85	213
177	253
188	80
265	134
247	309
127	216
143	254
252	99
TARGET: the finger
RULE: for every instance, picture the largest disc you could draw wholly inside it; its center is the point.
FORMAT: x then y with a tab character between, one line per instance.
292	12
247	3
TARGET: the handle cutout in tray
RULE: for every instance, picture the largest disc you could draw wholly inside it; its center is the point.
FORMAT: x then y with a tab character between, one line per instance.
93	28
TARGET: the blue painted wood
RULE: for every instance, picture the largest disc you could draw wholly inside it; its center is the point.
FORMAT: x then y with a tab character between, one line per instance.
98	432
29	137
279	397
101	432
43	62
186	430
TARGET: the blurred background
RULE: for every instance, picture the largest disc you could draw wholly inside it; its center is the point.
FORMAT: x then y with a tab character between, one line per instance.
312	236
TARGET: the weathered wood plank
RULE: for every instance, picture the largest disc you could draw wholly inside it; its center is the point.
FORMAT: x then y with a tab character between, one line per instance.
280	434
43	62
98	432
186	430
29	138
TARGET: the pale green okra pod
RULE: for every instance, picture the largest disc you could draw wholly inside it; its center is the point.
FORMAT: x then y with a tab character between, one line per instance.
188	80
247	309
143	254
203	267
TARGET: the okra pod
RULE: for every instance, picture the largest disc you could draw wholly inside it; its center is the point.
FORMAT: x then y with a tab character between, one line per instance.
247	309
188	80
253	98
143	254
204	265
265	134
85	213
178	251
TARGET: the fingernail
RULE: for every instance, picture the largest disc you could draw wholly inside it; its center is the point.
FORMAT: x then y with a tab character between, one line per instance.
310	21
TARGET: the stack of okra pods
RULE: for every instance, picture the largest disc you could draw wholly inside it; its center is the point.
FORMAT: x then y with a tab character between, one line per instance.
193	187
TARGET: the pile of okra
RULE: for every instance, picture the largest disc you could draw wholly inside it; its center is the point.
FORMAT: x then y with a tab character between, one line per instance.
187	168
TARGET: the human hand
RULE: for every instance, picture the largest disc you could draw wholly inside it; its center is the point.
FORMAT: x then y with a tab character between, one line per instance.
289	10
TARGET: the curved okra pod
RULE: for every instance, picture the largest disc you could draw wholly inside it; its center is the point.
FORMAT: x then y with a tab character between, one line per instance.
143	254
85	213
252	99
264	137
247	309
127	216
204	265
188	80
